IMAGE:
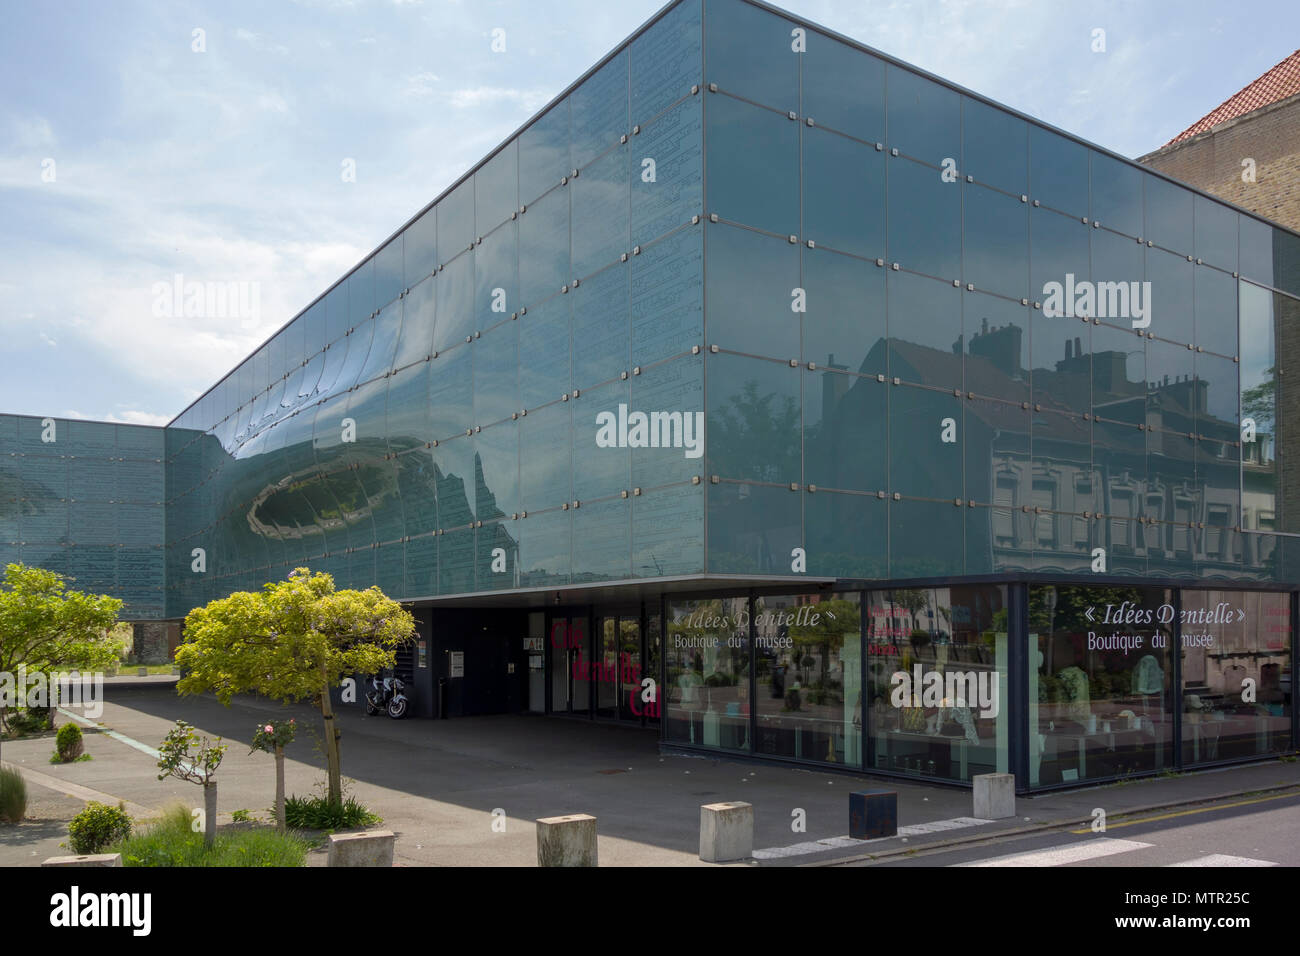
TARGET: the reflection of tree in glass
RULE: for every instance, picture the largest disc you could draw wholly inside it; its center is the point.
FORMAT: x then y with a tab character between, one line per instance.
835	620
755	434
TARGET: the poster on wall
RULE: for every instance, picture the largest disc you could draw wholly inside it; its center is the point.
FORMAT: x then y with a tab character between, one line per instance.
457	664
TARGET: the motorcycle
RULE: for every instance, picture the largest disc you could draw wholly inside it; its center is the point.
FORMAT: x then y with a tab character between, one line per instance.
388	694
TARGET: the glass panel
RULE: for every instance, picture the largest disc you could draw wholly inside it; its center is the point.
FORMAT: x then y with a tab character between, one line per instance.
602	538
1117	194
675	141
546	445
808	671
925	331
496	364
456	221
604	431
995	147
1169	305
925	443
924	118
496	286
600	199
752	528
1060	249
846	535
844	194
600	111
996	248
753	165
845	426
544	338
707	672
668	532
668	296
1100	701
453	292
938	681
1216	233
914	526
752	283
754	420
496	189
496	493
1216	311
1256	249
389	281
544	248
844	88
1058	172
1231	638
387	325
665	61
1259	406
545	549
407	423
416	339
996	337
750	52
361	293
601	327
338	319
420	248
1168	220
844	321
544	153
924	220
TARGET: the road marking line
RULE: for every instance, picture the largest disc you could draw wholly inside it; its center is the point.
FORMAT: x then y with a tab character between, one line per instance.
1220	859
143	748
1064	854
1185	813
838	843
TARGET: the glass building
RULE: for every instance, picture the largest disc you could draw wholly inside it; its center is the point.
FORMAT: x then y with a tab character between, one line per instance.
773	394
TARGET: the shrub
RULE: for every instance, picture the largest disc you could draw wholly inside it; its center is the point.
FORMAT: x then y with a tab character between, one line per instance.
68	743
98	827
170	841
317	813
13	796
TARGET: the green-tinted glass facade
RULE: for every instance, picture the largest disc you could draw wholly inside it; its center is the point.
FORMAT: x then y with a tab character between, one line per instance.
86	499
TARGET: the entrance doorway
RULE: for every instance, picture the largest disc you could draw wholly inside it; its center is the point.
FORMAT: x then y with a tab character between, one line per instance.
601	670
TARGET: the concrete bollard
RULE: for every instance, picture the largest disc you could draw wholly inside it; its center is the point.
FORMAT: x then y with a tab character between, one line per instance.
873	814
567	841
995	796
96	859
142	672
726	832
368	848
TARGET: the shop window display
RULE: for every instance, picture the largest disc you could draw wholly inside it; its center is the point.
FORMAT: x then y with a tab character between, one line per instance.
937	677
1236	673
707	673
808	675
1099	682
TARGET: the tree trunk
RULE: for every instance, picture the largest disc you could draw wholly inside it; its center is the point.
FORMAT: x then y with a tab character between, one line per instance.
279	787
332	736
209	814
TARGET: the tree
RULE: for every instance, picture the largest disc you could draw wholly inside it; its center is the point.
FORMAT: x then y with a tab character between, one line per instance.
44	627
175	759
273	738
293	641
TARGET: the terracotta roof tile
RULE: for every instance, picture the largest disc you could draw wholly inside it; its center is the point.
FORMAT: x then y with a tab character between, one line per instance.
1278	83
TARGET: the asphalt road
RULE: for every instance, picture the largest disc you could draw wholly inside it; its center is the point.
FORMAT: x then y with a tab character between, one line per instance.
1246	831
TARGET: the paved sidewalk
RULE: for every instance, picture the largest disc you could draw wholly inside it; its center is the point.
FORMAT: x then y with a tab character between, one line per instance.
436	783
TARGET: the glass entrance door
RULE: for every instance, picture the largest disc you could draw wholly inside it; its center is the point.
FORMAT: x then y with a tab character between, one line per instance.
569	654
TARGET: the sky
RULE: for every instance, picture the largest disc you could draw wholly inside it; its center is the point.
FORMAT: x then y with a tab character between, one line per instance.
129	156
